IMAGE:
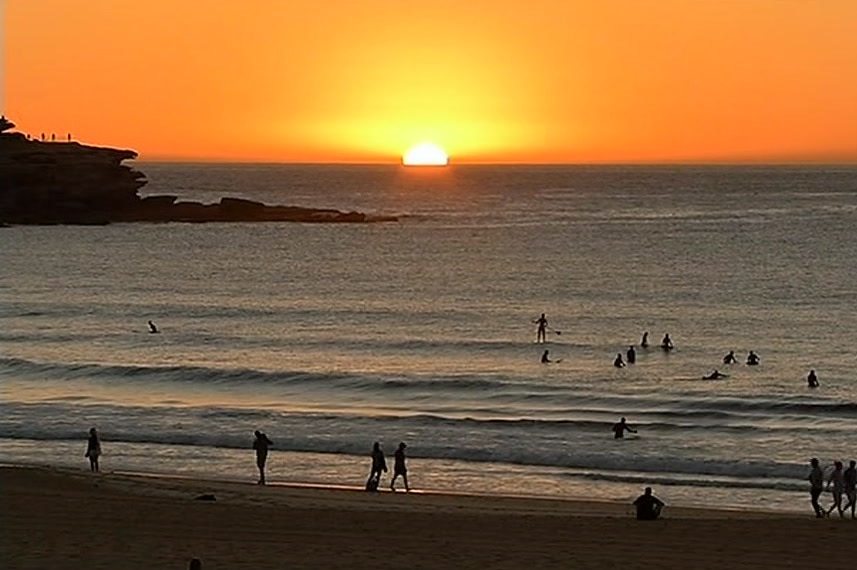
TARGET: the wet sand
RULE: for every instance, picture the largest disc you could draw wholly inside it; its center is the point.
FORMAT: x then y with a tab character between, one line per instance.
62	519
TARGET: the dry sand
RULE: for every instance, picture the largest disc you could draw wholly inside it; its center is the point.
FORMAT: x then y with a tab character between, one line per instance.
57	519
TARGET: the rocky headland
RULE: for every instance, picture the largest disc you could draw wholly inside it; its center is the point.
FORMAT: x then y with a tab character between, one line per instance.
71	183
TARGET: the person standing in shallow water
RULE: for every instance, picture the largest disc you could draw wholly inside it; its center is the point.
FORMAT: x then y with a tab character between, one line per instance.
816	487
541	331
620	428
261	445
400	468
93	449
631	355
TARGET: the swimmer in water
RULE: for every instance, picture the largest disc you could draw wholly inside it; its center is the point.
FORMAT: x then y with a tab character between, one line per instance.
152	328
716	375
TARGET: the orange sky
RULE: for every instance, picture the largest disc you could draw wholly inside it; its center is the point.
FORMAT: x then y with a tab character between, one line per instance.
559	81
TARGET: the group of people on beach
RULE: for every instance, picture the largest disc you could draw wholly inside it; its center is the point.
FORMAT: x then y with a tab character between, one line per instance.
842	482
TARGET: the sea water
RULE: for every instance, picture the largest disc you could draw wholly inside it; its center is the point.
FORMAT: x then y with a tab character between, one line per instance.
331	337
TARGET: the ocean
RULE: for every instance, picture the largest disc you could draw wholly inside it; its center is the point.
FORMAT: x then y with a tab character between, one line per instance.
331	337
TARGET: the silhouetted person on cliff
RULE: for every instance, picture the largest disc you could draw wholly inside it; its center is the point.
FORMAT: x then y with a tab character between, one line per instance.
261	445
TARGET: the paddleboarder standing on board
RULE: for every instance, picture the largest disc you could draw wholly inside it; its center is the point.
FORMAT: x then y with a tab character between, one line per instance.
541	332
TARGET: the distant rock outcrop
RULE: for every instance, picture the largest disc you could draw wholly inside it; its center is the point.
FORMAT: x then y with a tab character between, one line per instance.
70	183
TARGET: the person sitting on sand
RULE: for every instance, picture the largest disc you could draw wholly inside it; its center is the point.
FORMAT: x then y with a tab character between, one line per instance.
631	355
752	359
850	480
399	467
617	362
667	343
620	428
816	487
152	328
716	375
545	358
812	379
93	449
837	480
648	506
730	358
261	445
379	466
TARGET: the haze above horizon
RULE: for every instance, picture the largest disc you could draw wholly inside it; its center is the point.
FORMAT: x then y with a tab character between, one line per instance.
488	81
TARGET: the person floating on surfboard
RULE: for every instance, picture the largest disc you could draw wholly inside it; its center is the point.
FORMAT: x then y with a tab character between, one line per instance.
152	328
667	343
752	359
812	379
617	362
730	358
716	375
645	340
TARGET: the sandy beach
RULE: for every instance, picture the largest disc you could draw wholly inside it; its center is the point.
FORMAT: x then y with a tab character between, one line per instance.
73	519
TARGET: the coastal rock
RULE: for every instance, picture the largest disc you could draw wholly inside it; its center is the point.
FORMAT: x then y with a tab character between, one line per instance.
70	183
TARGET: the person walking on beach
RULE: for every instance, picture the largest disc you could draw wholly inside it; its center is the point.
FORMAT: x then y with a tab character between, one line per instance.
812	379
617	362
816	487
261	445
644	342
648	506
620	428
730	358
850	479
837	480
667	343
541	331
93	449
631	355
400	468
379	466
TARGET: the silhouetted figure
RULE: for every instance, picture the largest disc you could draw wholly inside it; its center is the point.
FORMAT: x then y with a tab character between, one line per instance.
617	362
667	343
645	340
43	137
545	358
752	359
837	481
541	331
716	375
53	137
93	449
850	479
68	137
648	506
379	466
261	445
631	355
730	358
152	328
816	487
620	428
195	564
400	467
812	379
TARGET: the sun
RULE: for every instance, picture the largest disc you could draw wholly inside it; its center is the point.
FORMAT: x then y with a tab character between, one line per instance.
425	154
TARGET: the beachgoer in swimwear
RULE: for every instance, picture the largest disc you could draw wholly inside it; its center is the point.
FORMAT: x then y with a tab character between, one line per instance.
93	449
399	467
379	465
812	379
617	362
837	480
715	375
261	445
631	355
152	328
541	332
645	340
648	506
620	428
850	479
545	358
730	358
667	343
752	359
816	487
